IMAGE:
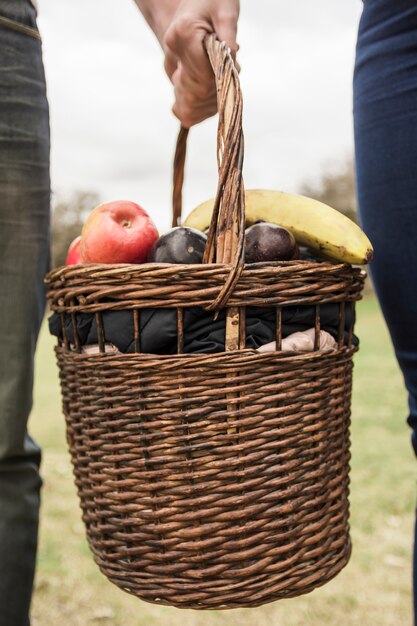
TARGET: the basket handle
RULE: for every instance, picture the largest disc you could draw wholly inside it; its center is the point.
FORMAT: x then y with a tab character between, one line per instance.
225	242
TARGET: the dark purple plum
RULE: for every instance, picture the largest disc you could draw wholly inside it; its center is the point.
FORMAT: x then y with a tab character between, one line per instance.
269	242
297	254
181	245
308	255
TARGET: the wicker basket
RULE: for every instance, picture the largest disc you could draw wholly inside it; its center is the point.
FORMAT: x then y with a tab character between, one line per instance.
211	481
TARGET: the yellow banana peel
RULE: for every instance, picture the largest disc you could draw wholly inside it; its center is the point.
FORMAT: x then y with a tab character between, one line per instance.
314	224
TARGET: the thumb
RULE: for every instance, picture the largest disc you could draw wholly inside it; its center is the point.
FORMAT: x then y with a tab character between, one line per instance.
225	27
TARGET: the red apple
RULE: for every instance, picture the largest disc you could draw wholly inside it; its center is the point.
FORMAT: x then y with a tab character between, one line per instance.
117	232
73	255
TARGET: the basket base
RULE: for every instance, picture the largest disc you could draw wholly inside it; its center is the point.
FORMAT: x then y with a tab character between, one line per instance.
226	595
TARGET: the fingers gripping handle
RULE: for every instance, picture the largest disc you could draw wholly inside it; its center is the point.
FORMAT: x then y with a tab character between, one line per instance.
226	234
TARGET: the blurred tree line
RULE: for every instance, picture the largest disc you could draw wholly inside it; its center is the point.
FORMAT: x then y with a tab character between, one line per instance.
337	189
68	216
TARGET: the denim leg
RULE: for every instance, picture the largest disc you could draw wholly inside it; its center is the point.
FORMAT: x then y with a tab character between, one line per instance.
24	252
385	124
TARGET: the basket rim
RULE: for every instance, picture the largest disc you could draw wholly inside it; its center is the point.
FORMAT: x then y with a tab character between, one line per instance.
125	271
99	287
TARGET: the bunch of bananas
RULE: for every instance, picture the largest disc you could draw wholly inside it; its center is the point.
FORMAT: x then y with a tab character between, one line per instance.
320	228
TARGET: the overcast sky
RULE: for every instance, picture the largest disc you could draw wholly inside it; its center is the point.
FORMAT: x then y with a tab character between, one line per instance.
112	127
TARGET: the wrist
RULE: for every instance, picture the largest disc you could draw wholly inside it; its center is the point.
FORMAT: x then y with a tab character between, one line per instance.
158	15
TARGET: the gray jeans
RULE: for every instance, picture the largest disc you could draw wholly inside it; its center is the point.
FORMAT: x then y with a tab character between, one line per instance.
24	251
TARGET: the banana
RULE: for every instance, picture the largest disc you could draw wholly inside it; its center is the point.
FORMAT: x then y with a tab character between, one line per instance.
314	224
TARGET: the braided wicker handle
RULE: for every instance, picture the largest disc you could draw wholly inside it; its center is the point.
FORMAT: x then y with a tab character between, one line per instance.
227	228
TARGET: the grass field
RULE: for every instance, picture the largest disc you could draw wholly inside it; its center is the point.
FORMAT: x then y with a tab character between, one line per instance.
374	589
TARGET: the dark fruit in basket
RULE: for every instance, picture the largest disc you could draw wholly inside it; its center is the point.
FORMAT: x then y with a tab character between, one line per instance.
179	245
269	242
308	255
297	254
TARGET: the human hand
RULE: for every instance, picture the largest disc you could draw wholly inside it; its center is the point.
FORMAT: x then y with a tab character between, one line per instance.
186	60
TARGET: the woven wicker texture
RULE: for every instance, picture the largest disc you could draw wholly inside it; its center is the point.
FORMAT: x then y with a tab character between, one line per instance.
89	288
211	481
189	503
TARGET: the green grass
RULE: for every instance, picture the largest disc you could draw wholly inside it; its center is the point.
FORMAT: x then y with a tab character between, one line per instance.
374	589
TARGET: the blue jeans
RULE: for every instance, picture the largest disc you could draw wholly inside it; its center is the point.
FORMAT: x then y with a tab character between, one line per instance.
385	122
24	259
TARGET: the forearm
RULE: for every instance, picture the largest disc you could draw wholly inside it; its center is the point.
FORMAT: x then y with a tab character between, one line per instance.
158	14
